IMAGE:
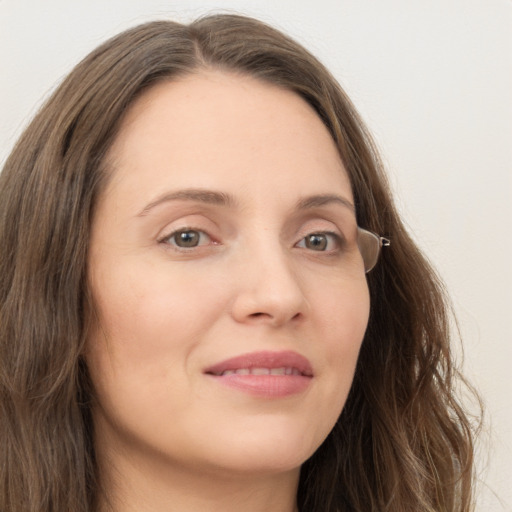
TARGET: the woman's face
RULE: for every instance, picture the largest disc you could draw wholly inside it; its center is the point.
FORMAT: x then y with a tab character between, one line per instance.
230	293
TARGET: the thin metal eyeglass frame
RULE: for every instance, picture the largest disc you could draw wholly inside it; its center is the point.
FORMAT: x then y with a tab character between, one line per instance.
370	245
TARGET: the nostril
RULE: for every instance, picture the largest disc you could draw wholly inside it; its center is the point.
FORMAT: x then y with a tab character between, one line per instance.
262	315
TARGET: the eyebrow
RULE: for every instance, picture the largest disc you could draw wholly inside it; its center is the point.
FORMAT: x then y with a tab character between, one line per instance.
197	195
223	199
319	200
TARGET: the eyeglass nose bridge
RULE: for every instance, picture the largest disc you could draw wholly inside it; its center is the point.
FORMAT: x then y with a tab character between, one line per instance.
370	245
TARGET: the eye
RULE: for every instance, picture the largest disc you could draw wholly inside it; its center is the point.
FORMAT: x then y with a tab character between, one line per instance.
320	242
187	238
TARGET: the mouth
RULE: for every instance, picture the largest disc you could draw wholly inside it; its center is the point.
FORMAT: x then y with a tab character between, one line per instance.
264	374
260	371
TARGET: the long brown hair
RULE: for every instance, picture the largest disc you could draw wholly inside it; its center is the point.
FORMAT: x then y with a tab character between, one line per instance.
402	442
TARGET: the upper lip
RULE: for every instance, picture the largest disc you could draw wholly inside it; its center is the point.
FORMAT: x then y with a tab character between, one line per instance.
264	359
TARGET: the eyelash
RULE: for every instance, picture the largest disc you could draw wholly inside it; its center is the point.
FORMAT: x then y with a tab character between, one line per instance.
332	238
167	239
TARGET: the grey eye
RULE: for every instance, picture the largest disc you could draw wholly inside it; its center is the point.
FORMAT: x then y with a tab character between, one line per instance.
319	241
186	238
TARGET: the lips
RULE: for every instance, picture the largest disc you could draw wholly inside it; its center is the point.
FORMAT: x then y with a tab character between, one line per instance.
261	371
278	363
265	374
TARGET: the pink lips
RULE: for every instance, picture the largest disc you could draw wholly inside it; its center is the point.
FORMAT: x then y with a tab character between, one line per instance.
266	374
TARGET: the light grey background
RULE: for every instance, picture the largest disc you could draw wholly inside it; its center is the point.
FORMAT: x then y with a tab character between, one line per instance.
433	80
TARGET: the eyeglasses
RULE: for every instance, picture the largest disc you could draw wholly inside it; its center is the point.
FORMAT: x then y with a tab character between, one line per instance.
370	245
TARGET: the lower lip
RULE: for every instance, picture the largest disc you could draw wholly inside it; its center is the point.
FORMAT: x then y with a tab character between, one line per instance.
267	386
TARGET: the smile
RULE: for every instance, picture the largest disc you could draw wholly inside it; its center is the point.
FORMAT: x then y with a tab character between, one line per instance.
261	371
264	374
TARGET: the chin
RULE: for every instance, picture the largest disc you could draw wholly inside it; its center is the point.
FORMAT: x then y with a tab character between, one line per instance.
265	450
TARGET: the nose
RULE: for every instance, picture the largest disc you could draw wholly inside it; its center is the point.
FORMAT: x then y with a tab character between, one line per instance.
268	289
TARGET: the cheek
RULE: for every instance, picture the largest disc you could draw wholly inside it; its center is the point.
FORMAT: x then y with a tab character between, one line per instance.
149	327
138	354
343	319
152	312
343	313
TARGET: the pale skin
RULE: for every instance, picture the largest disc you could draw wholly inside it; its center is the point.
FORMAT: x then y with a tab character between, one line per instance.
249	177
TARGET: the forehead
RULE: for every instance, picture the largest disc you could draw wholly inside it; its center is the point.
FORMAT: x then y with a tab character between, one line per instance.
214	129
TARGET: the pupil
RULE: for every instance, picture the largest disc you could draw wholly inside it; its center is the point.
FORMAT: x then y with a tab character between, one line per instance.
317	242
188	239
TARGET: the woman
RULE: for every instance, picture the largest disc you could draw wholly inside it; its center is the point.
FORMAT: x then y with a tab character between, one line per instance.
186	318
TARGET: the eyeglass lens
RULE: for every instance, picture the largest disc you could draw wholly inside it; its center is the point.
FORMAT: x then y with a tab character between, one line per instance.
369	245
